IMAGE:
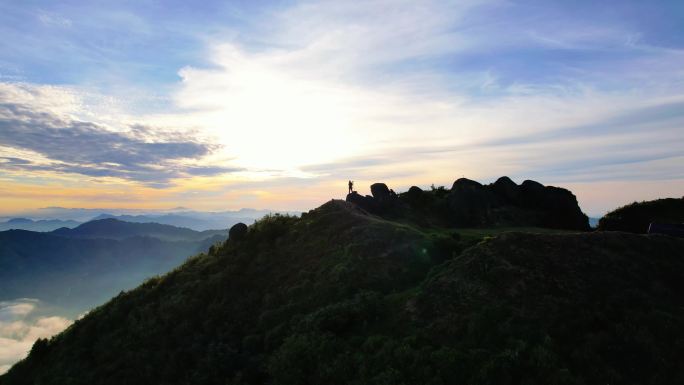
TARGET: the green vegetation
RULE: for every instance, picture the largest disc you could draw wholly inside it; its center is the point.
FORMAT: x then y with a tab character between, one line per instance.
636	217
342	297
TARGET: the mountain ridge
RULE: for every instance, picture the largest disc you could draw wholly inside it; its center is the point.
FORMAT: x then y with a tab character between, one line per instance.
341	295
117	229
36	225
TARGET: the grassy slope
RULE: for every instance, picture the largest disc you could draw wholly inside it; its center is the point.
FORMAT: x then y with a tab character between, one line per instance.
340	297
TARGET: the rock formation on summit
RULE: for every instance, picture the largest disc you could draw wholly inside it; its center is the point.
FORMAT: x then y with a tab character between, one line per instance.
471	204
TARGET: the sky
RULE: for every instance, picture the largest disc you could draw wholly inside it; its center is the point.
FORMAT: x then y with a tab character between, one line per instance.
219	105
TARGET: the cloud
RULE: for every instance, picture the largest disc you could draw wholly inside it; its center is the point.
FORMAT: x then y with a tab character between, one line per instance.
437	90
66	145
21	326
521	134
11	310
302	94
51	19
336	91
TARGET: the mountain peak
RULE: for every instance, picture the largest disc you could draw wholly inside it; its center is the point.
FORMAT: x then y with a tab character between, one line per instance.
19	220
346	295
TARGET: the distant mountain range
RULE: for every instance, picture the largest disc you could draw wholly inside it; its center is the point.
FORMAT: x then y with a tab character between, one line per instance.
111	228
75	269
199	222
53	218
36	225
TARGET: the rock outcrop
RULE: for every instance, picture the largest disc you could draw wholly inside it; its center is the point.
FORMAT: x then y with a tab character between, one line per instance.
367	202
237	232
472	204
380	191
383	201
504	203
505	188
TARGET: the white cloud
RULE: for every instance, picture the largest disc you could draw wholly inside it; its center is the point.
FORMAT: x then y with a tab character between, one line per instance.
10	310
305	89
20	326
51	19
275	110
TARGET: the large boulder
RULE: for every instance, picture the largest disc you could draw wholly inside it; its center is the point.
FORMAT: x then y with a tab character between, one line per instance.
415	196
465	183
383	202
558	206
469	203
380	191
367	202
504	203
237	232
507	190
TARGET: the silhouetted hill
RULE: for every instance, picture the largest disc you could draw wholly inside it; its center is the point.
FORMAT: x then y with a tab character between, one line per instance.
115	229
39	225
636	217
341	296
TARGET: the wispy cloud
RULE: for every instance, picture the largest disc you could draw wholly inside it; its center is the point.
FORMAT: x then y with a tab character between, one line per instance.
52	19
280	96
65	145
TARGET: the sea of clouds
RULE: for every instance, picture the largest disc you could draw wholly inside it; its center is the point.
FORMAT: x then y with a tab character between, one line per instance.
21	324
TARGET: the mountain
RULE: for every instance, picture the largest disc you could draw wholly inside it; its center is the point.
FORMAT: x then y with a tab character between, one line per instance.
39	225
195	220
19	221
179	216
117	229
75	269
636	217
342	295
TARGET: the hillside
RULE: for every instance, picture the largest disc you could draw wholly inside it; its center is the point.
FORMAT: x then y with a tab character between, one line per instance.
636	217
341	296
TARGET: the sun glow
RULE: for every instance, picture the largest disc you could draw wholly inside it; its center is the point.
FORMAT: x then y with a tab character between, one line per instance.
268	118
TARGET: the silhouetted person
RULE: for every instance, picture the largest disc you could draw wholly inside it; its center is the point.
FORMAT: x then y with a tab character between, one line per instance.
351	186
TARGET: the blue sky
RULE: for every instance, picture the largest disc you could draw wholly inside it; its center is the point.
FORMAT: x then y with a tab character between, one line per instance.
220	105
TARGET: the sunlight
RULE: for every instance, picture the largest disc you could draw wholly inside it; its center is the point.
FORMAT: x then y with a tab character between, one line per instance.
268	118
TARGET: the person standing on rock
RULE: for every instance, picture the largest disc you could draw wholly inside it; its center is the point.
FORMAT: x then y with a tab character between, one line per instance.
351	186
